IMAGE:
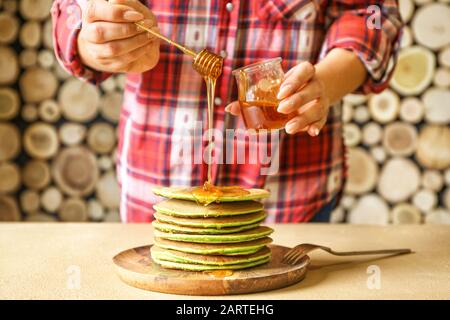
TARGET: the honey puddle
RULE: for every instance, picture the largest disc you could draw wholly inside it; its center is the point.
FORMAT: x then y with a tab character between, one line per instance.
219	273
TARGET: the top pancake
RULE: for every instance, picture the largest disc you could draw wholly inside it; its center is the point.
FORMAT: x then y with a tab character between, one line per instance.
183	193
184	208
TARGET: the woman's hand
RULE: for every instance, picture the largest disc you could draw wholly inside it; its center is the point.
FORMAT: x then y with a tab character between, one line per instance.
303	92
110	41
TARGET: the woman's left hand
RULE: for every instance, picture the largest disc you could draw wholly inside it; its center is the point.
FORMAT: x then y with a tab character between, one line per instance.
302	92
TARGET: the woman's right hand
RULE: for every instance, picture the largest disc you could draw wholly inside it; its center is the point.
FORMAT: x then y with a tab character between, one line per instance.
110	41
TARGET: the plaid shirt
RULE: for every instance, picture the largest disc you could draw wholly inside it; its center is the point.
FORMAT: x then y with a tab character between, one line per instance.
161	104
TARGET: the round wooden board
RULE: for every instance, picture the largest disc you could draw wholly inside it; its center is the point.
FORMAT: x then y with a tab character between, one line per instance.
136	268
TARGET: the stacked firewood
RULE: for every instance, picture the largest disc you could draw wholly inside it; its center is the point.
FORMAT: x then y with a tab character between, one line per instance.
399	140
57	134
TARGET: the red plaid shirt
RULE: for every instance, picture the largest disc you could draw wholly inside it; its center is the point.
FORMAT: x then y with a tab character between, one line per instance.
161	102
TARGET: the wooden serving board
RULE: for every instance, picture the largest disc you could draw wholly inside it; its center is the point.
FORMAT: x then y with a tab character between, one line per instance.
136	268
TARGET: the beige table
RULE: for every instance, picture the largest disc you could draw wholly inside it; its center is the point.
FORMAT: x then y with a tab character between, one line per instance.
43	261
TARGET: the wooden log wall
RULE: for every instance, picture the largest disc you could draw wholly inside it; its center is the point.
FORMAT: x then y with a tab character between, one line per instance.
57	134
399	140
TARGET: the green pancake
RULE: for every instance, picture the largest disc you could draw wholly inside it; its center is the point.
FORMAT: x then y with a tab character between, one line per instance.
230	249
217	223
185	208
248	235
200	267
184	193
211	260
173	228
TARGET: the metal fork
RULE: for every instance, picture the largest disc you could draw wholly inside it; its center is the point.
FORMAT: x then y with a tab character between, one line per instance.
294	255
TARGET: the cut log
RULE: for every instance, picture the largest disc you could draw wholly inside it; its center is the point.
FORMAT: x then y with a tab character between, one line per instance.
438	216
9	177
110	106
407	37
9	65
78	100
337	215
30	113
433	147
108	191
35	9
437	109
29	202
355	99
379	154
60	72
75	171
40	217
348	201
28	58
51	199
433	180
347	112
73	210
352	135
121	80
400	139
30	35
412	110
9	28
361	114
431	25
10	6
446	198
399	180
362	173
447	177
372	133
41	141
444	57
46	59
370	209
9	103
47	34
72	134
384	107
406	9
37	85
109	85
112	216
424	199
36	174
9	210
442	78
105	163
95	210
404	213
9	141
101	138
414	71
49	111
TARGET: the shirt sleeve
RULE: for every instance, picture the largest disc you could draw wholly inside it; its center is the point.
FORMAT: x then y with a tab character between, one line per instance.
66	15
371	29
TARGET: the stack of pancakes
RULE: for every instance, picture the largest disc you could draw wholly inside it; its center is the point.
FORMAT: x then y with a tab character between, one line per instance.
223	235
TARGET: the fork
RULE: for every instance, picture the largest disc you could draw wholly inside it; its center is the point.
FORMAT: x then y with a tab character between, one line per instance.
294	255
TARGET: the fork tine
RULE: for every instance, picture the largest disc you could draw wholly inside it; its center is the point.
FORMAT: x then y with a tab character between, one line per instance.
297	257
291	252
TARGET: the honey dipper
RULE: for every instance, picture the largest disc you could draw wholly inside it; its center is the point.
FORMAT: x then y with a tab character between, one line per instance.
206	63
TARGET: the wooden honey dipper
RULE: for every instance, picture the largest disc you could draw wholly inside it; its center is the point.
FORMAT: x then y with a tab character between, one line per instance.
206	63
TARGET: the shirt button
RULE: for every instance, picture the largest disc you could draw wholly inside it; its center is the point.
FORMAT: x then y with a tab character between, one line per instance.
217	101
229	6
223	54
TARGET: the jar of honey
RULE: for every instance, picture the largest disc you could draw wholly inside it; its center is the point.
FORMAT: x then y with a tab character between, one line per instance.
258	86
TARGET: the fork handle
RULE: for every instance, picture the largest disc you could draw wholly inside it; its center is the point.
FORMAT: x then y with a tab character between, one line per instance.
368	252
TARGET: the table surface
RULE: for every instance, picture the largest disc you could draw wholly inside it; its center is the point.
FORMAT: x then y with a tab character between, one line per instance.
45	261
